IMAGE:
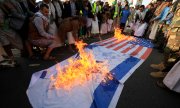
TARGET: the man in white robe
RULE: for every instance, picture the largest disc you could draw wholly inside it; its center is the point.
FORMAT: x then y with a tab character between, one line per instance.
141	25
52	16
172	80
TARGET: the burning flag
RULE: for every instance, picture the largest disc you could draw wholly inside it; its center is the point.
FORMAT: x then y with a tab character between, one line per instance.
75	78
118	34
78	71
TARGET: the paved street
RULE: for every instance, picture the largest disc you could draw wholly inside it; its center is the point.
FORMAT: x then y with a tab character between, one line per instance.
140	90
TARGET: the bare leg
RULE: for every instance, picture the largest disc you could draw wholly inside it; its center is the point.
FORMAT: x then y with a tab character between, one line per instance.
100	37
61	36
47	54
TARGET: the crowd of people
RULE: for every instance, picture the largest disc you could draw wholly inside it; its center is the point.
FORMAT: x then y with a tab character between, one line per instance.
47	24
166	36
25	24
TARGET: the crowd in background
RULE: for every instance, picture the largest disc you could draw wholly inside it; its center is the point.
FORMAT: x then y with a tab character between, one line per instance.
25	24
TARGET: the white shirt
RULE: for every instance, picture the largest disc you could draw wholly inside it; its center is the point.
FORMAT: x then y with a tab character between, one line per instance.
58	9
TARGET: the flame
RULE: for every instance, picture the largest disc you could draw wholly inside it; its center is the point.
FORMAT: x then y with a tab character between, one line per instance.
118	34
79	71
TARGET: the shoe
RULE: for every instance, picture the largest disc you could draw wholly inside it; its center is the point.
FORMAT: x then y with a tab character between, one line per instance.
158	66
158	74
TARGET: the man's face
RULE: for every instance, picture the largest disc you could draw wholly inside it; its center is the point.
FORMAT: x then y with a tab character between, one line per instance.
141	9
169	3
136	7
98	3
155	5
45	11
126	7
150	6
132	8
119	3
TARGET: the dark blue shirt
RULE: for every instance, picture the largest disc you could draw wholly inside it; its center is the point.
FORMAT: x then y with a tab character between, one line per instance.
125	15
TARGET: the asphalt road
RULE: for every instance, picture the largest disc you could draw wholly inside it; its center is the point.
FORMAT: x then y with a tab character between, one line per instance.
140	90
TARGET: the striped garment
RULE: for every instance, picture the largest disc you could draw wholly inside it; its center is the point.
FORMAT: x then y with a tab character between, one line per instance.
123	57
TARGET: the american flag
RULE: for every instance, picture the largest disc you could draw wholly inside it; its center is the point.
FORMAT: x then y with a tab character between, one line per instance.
124	57
139	48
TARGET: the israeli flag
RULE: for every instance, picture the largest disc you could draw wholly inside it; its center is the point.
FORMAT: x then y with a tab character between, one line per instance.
123	57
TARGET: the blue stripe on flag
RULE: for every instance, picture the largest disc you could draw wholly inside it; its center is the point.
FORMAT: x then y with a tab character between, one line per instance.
91	46
122	69
105	92
43	75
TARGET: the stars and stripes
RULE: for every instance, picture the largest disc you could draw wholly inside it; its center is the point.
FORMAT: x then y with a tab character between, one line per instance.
124	57
140	48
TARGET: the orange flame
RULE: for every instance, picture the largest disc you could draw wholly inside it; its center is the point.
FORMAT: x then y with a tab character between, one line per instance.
118	34
78	72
